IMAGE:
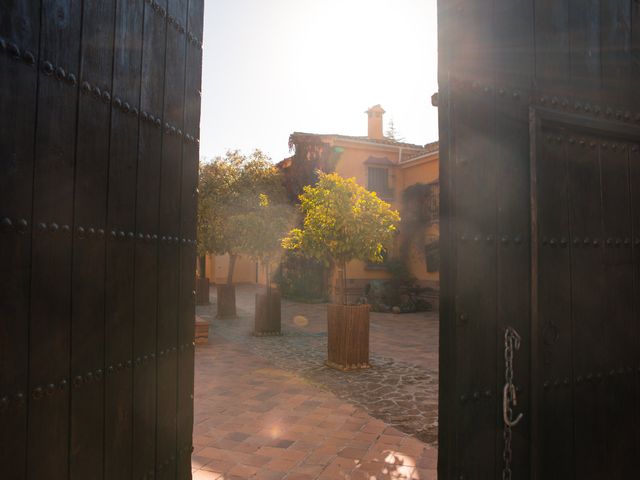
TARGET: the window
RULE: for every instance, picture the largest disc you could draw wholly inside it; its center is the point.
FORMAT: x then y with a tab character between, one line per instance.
432	207
378	181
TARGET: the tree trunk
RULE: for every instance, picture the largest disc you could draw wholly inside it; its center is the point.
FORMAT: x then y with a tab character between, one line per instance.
268	311
267	273
202	282
332	283
344	283
202	266
232	265
326	275
202	291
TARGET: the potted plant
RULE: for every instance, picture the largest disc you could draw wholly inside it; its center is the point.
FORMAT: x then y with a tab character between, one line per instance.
343	222
265	225
227	186
264	220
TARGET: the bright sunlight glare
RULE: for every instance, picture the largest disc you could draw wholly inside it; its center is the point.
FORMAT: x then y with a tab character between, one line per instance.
272	67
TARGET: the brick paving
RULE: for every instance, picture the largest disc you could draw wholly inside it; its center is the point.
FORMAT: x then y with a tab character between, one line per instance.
268	408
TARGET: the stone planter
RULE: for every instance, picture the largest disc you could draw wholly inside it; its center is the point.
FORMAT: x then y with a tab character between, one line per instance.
348	336
202	291
226	301
268	314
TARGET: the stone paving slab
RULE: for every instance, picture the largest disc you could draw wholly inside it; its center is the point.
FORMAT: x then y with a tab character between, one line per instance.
400	389
256	420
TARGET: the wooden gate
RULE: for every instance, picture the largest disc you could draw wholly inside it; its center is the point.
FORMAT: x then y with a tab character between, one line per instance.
99	122
540	228
586	206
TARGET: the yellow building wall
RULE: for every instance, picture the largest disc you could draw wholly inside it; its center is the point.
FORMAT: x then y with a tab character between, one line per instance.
352	165
423	172
417	262
218	267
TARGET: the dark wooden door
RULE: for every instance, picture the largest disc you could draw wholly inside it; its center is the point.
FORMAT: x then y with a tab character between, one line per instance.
99	126
539	110
585	320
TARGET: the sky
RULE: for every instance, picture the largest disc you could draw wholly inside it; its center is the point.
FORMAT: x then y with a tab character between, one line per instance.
272	67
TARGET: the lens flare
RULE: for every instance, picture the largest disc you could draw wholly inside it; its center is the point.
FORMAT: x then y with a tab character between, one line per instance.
300	321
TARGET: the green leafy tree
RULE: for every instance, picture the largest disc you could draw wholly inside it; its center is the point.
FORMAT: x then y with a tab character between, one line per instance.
392	132
342	222
265	224
230	189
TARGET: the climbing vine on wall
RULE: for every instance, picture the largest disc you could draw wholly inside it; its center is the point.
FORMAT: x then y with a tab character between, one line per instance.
311	155
421	204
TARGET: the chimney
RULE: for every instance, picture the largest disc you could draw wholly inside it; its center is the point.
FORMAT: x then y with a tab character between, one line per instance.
375	122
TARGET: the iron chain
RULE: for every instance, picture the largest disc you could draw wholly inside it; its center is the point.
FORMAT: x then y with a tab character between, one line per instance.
509	399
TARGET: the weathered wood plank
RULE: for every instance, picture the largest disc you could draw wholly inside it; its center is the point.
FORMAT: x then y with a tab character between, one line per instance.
615	51
476	284
634	97
514	62
634	175
584	39
447	410
50	325
513	264
121	245
190	162
473	59
18	94
513	41
618	324
555	446
88	270
169	254
146	255
588	313
552	47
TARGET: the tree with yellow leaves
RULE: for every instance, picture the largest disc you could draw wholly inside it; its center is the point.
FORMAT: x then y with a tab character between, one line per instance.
342	222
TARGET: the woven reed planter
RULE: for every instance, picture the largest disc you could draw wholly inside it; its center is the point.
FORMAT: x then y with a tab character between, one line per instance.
202	291
201	331
268	314
348	336
226	301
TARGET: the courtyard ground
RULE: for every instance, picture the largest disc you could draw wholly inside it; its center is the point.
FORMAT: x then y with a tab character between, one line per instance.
267	407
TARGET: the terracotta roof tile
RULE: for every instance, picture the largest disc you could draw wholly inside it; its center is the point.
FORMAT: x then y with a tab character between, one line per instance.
381	141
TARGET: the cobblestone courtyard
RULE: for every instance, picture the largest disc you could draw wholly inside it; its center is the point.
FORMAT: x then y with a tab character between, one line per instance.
267	407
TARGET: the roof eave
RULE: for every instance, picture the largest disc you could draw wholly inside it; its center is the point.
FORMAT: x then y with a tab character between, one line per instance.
420	159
